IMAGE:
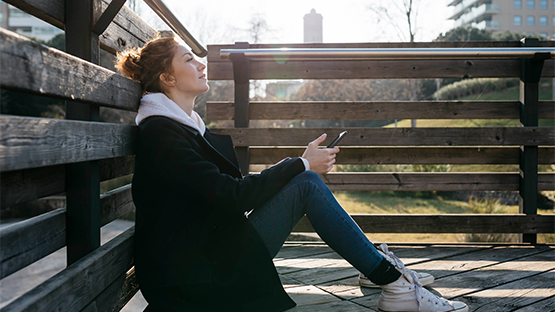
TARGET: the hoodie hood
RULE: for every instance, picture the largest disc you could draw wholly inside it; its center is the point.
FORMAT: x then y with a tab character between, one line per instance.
158	104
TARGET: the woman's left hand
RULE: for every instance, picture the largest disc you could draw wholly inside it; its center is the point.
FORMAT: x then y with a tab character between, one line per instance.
321	160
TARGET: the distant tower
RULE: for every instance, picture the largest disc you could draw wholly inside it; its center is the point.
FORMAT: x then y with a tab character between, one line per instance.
313	27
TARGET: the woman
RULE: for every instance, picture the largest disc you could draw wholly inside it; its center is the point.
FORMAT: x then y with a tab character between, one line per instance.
205	235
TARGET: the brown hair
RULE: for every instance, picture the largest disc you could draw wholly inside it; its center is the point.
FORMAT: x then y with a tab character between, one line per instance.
147	63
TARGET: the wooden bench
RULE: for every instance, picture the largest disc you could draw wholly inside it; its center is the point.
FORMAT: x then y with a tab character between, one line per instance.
40	157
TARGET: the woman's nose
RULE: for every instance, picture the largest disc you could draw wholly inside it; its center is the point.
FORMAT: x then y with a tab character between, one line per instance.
201	66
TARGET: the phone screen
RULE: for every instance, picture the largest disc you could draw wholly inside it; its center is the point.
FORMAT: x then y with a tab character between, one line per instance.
337	139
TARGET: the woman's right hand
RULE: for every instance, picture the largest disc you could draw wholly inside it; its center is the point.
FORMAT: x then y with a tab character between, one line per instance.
321	160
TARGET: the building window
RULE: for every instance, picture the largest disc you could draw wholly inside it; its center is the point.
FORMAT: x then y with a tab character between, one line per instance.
530	20
543	34
1	16
530	4
517	4
553	22
543	20
543	4
517	20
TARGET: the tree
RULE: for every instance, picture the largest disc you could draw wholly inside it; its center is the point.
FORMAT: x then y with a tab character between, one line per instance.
464	34
391	12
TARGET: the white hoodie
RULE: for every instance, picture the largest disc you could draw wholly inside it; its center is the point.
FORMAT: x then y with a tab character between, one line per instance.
158	104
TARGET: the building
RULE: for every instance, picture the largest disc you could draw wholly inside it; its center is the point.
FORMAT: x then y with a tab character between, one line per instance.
313	31
530	17
14	19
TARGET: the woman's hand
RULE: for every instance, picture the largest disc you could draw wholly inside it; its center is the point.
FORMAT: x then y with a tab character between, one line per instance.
321	160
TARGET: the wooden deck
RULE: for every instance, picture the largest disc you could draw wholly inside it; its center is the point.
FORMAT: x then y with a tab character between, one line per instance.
507	277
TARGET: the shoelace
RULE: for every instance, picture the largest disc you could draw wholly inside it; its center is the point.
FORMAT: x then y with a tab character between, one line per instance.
422	293
397	262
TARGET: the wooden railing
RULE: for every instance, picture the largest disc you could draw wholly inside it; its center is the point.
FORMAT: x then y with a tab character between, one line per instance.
528	145
40	157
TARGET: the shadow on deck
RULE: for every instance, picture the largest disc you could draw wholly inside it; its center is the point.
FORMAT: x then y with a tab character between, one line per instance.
508	277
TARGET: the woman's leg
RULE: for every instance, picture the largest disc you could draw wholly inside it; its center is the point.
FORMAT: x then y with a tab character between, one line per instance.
308	194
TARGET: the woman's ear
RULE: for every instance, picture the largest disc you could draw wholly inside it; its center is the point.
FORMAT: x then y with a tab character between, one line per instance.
167	80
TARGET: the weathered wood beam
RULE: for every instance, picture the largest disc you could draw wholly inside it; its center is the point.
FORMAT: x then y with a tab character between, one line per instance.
448	223
115	204
31	67
490	136
408	155
378	69
214	50
88	278
30	240
127	29
431	181
377	110
21	186
221	69
27	142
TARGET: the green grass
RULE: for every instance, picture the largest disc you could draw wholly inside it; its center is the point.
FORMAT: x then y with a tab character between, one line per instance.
511	94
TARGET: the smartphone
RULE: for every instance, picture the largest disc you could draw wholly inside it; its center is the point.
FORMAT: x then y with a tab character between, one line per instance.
337	139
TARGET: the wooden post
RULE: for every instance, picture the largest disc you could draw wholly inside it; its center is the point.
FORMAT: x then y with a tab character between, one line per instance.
82	179
241	77
530	73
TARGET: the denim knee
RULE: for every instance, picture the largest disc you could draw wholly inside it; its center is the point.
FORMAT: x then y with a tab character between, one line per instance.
309	176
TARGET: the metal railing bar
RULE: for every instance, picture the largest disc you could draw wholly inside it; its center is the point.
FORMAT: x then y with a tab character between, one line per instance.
169	18
390	53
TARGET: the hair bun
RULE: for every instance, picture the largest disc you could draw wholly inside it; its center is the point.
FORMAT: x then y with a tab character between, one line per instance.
128	64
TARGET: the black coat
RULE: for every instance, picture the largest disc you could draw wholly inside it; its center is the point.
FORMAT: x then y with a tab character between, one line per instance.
194	248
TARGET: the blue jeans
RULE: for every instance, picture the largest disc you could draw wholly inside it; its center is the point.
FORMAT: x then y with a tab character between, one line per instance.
307	194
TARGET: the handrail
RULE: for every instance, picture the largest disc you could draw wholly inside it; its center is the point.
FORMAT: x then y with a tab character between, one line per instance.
167	16
390	53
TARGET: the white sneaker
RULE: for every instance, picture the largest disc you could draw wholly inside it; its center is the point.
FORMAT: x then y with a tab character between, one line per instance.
424	278
407	294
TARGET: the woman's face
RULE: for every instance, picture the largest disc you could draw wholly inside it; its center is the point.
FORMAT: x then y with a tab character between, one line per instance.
188	73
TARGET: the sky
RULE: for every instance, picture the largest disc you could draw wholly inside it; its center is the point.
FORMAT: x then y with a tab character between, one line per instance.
225	21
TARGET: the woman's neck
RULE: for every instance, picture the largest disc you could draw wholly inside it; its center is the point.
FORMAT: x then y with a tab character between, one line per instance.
185	103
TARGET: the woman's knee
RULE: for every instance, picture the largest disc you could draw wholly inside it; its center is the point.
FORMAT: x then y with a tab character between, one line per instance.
311	177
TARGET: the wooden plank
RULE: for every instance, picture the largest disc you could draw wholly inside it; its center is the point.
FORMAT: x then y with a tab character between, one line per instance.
343	306
25	185
27	142
301	250
447	223
378	69
487	136
112	168
31	67
377	110
214	50
481	259
476	284
127	30
115	204
431	181
79	284
50	11
547	304
30	240
408	155
116	296
21	186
